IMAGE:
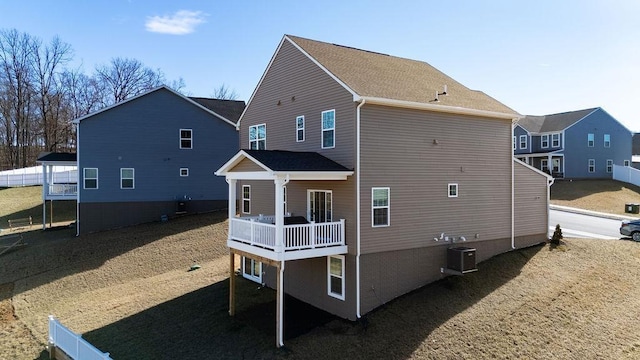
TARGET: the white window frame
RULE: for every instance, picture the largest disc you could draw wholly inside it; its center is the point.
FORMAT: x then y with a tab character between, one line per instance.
514	142
544	141
341	258
375	207
523	140
555	165
189	138
328	213
454	187
627	163
592	165
184	172
85	178
132	178
607	140
591	140
609	166
555	140
331	130
258	139
299	128
246	200
544	165
250	273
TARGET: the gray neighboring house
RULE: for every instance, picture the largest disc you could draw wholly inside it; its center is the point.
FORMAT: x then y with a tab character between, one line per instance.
583	144
361	172
151	156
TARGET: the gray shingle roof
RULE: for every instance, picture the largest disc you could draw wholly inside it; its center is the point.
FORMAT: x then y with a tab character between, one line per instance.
280	160
553	122
229	109
54	156
371	74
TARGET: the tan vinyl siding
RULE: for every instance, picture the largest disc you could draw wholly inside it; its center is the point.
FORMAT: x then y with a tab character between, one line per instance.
247	165
300	88
531	207
416	154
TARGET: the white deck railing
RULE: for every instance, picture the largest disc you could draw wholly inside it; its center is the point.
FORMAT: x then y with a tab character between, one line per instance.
71	343
63	190
261	232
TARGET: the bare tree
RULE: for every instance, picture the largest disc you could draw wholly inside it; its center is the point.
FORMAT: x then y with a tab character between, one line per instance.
224	93
124	78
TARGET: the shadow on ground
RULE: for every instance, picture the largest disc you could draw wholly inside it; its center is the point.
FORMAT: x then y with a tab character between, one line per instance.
63	210
55	253
197	325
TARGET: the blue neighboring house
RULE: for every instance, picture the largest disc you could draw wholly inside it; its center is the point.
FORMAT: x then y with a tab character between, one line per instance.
153	156
583	144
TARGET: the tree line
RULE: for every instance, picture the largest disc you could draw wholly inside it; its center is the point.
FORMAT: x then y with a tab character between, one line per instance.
40	94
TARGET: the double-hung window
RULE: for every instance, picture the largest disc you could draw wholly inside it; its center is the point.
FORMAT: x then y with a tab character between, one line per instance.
90	178
523	141
544	165
328	129
592	165
607	140
300	128
186	139
335	276
258	137
380	206
544	141
127	179
590	140
555	140
246	199
609	166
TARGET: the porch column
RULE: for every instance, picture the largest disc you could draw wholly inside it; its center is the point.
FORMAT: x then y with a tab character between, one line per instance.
232	198
232	284
45	191
280	304
549	164
279	201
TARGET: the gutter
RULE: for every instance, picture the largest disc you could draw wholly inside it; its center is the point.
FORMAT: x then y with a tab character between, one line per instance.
362	102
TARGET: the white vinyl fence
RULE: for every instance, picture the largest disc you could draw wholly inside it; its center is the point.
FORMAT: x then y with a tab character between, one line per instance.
33	176
72	344
627	174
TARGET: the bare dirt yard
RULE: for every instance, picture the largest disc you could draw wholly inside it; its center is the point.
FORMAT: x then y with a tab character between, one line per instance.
130	293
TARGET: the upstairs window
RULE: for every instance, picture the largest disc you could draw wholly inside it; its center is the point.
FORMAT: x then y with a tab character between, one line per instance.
544	141
607	140
246	199
258	137
299	128
186	139
380	206
127	178
590	140
90	178
523	141
555	140
328	129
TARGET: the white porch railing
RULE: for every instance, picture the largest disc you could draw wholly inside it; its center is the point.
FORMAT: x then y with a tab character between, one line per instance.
63	190
71	343
261	232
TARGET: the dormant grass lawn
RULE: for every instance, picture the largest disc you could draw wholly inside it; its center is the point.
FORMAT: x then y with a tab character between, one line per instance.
130	293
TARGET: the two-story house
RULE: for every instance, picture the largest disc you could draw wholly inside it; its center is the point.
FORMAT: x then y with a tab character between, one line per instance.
574	145
360	171
152	156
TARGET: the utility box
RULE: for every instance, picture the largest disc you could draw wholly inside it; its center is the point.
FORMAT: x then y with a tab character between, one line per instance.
181	207
632	208
461	259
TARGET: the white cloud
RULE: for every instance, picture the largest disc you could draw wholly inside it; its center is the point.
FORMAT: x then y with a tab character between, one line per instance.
181	23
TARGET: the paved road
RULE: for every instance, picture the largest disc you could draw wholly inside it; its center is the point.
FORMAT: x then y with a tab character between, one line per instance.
584	226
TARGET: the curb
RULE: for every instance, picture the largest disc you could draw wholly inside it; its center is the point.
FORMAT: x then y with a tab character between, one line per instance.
591	213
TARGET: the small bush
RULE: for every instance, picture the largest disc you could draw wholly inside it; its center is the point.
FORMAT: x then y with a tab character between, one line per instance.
557	235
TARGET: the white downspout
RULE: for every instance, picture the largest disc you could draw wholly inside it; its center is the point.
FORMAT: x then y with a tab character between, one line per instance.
358	208
281	305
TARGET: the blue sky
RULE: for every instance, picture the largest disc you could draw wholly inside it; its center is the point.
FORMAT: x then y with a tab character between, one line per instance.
538	57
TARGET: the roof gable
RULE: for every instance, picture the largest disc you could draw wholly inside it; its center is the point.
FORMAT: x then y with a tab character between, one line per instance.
208	106
553	122
376	75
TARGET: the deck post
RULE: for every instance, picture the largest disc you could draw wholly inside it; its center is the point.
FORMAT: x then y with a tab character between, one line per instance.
279	215
45	191
280	304
232	284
